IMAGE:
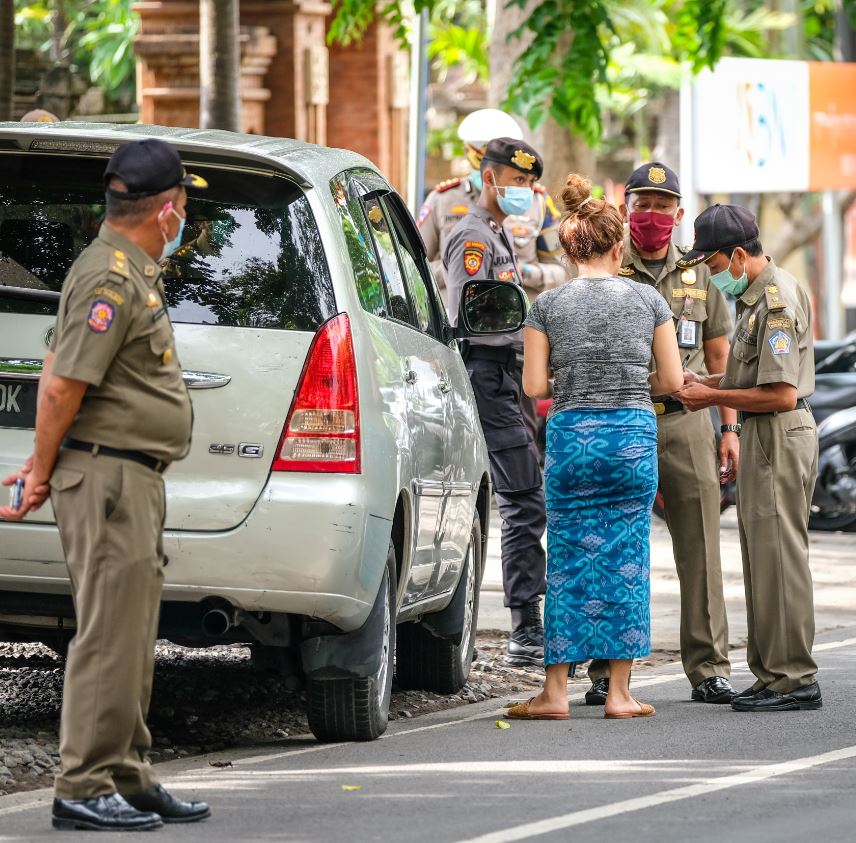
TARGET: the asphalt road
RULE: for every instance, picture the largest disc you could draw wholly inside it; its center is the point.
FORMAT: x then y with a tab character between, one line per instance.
693	772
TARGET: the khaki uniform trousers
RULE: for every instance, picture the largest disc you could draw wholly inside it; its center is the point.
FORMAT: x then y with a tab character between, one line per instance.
689	481
110	514
775	484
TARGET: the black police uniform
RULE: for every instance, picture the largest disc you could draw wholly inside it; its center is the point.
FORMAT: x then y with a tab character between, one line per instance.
478	248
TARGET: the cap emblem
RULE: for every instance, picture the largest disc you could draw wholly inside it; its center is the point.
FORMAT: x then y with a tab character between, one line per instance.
524	160
656	175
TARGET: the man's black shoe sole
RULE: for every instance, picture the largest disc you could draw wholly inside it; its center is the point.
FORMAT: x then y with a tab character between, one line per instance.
722	699
813	705
83	825
191	819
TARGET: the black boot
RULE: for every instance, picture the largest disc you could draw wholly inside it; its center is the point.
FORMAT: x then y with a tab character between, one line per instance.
526	644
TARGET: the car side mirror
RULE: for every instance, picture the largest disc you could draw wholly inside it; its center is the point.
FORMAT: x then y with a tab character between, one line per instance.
490	307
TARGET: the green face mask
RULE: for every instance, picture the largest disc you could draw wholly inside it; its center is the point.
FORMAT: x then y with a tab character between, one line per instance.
727	283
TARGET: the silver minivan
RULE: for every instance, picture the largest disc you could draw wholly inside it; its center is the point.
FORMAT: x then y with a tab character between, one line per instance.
333	510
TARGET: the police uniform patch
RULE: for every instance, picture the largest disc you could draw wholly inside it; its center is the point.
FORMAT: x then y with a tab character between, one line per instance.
701	295
100	316
782	322
780	343
505	275
107	293
459	210
424	211
473	256
688	277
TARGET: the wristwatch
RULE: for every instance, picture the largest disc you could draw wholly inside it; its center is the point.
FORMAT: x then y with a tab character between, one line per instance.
730	428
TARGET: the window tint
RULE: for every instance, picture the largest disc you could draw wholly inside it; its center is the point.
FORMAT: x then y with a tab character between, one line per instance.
379	225
363	259
410	263
251	255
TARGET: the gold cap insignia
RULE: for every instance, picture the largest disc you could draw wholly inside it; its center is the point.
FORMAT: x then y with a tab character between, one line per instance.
523	160
656	175
688	277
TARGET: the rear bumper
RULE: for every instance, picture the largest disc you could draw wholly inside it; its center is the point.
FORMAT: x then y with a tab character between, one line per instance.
309	547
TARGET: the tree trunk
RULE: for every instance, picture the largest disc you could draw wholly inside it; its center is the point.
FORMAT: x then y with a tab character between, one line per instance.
800	230
58	25
668	146
7	59
562	151
219	65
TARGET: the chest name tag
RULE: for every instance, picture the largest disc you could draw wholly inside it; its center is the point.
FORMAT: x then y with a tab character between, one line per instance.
701	295
687	333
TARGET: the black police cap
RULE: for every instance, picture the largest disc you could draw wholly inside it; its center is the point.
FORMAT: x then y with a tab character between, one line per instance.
148	167
720	228
515	153
654	176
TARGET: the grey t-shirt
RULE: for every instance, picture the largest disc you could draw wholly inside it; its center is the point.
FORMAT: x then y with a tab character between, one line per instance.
600	332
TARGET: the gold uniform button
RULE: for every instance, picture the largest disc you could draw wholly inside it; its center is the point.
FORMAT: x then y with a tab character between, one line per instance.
149	271
152	300
167	356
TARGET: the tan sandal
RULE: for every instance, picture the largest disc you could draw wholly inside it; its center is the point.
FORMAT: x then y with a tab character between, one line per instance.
520	711
646	711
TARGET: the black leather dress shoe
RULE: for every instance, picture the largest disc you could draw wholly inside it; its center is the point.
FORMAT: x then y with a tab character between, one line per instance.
749	692
170	809
102	813
714	689
596	695
806	698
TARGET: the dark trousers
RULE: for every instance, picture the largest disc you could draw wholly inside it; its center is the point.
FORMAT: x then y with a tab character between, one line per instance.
517	483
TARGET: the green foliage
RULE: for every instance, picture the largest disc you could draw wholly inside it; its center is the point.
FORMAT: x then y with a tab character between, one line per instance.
98	35
455	45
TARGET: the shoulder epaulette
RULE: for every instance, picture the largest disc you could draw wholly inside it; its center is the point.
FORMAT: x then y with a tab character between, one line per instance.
447	185
117	265
774	300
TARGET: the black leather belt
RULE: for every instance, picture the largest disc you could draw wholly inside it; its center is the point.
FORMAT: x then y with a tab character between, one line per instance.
103	450
505	355
802	404
670	405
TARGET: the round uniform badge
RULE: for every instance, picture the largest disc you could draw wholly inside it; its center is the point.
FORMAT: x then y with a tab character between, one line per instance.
100	317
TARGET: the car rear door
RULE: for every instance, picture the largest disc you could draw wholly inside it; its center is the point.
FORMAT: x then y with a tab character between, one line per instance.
246	290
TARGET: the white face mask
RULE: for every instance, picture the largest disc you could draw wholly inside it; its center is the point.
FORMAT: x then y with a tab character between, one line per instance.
169	246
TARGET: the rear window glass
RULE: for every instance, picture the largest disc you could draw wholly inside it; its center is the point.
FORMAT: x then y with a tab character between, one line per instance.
251	254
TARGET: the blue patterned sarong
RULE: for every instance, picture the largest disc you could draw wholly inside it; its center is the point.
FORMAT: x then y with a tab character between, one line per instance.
601	477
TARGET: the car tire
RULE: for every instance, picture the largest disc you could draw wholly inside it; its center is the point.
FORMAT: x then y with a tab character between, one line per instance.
357	709
430	663
830	522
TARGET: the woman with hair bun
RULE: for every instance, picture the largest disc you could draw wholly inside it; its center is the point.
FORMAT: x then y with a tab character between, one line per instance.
596	335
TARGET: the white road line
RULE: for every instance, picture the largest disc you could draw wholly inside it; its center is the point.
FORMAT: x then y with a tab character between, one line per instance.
626	806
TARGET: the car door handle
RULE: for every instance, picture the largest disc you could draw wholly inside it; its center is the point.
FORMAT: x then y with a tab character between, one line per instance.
445	386
410	377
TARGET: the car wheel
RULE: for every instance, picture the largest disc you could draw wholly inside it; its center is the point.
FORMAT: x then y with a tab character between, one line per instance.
357	709
426	661
830	521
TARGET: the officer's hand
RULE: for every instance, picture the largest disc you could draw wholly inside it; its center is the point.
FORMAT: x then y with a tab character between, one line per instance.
729	457
696	396
35	492
691	377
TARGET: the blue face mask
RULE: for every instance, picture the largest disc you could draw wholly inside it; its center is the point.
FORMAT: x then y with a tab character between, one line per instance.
514	200
727	283
170	246
476	179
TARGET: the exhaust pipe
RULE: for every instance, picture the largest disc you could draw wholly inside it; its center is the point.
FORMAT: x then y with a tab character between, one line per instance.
217	622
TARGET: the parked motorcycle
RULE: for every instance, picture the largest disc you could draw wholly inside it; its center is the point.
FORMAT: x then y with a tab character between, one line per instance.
833	506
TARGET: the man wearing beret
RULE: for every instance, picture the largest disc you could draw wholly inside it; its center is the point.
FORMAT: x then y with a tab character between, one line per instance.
768	377
113	413
479	248
689	479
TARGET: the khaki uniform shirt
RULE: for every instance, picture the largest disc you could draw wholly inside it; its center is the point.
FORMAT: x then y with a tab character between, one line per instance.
534	235
699	309
113	332
479	249
773	337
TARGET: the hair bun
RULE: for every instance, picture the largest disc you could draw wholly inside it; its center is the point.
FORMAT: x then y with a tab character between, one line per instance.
576	193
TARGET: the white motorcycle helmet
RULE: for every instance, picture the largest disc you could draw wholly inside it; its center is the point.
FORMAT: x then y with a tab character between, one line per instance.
478	129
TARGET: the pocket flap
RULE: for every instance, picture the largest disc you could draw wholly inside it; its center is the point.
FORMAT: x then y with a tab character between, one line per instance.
65	478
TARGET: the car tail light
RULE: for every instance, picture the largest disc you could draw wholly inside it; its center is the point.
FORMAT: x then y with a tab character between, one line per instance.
322	432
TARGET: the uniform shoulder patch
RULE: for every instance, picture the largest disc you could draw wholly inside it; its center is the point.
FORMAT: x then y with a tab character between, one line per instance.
627	271
780	343
447	185
782	322
424	211
774	298
473	256
101	316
